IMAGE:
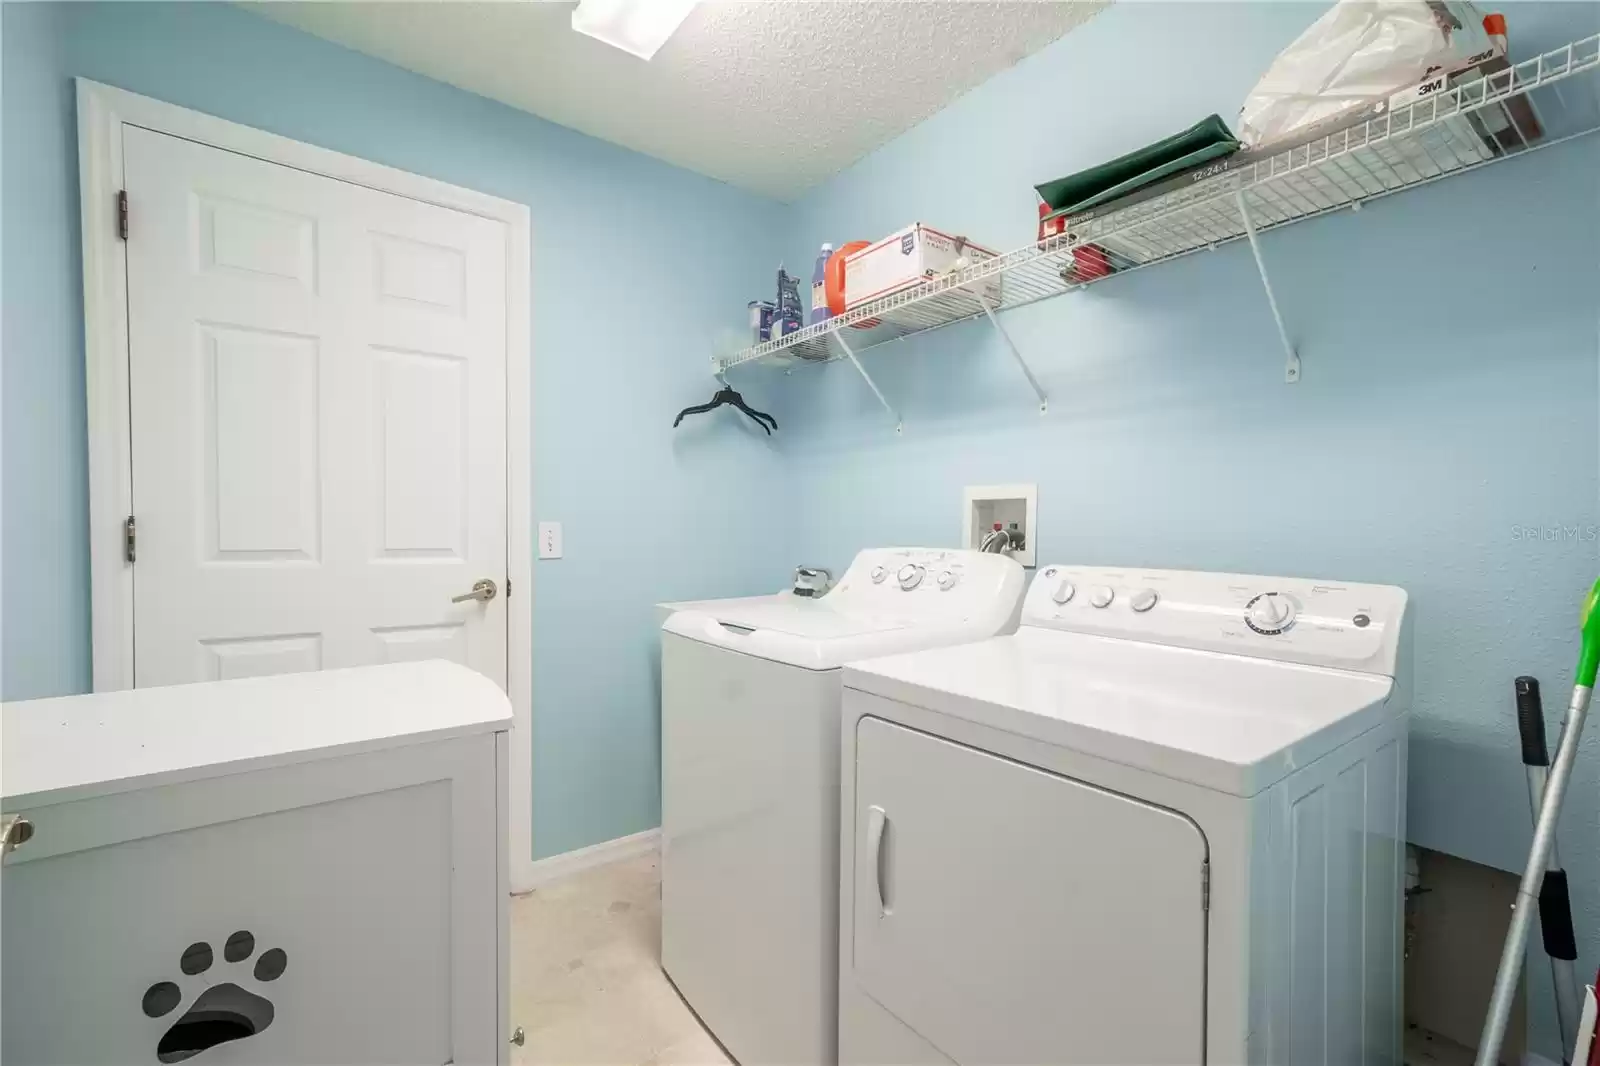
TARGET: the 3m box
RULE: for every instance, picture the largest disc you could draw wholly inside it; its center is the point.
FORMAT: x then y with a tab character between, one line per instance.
909	257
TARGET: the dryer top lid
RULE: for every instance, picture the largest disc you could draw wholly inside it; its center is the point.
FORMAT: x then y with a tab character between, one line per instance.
1226	722
1226	680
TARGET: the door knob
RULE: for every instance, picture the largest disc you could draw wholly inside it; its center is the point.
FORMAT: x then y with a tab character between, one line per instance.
483	591
15	831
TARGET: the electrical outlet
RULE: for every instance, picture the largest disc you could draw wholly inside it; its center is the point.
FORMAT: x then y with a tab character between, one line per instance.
549	540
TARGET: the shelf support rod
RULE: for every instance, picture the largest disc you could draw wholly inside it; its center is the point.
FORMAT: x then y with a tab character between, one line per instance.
1038	390
1291	368
899	426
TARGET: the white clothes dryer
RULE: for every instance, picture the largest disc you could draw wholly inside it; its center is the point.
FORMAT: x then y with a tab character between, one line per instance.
1163	822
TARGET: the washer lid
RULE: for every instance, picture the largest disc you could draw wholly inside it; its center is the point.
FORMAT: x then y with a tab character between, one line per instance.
1227	722
890	600
812	634
795	616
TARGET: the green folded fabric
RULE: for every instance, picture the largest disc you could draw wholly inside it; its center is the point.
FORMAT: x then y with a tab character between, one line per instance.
1205	140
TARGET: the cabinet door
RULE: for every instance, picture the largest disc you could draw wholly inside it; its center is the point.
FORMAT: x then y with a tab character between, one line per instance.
339	910
1011	915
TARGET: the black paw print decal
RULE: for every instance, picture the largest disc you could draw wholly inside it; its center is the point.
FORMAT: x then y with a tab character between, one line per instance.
221	1013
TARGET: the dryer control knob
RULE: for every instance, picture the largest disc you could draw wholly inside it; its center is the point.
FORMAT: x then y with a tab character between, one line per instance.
1101	596
1269	613
948	579
1143	600
910	576
1063	592
878	574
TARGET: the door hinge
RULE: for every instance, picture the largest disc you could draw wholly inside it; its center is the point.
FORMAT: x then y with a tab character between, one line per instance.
1205	885
122	214
130	540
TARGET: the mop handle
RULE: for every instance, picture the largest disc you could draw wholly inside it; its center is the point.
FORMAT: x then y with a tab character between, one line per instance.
1530	722
1555	904
1544	835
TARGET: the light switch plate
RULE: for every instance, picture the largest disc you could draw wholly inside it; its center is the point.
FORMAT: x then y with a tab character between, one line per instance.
549	540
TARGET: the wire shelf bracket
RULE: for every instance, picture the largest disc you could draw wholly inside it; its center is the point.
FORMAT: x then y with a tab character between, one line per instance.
899	424
1011	346
1291	366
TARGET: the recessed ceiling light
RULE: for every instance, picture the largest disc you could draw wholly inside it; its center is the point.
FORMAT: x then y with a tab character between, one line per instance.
639	27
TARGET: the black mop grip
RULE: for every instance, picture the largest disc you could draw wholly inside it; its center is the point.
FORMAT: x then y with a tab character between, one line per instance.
1555	917
1530	722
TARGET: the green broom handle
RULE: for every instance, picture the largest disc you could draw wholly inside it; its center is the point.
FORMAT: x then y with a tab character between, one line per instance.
1544	835
1589	656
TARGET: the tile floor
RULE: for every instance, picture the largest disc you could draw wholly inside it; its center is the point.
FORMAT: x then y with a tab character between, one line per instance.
586	980
587	986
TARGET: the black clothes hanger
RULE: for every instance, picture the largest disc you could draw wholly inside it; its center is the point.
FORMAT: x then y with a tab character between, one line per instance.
726	396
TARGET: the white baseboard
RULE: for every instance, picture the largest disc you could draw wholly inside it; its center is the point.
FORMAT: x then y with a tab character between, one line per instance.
568	863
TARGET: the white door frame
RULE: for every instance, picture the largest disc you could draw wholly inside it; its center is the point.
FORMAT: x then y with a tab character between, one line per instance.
102	113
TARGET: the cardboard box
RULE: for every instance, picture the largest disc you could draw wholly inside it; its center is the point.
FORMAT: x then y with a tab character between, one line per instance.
909	257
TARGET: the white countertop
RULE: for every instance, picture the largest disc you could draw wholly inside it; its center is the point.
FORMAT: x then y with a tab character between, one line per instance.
74	747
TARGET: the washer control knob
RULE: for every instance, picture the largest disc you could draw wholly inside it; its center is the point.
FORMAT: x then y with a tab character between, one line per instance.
910	576
1269	613
878	574
1063	592
948	579
1101	596
1143	600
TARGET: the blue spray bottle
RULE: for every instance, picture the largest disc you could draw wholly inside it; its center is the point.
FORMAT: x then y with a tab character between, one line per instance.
790	314
819	286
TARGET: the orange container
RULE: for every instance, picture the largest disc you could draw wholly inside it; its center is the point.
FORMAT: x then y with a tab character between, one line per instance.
833	275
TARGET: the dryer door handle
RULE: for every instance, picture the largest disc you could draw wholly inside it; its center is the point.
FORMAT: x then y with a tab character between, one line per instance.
877	825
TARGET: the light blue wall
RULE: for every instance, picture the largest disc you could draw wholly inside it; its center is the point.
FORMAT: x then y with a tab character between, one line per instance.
636	265
1450	339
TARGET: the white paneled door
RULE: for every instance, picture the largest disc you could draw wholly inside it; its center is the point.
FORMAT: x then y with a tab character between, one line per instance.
317	381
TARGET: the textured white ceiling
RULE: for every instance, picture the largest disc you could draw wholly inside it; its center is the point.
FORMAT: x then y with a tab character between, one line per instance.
770	95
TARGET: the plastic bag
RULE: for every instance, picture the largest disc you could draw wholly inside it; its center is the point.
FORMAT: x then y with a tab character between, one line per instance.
1359	52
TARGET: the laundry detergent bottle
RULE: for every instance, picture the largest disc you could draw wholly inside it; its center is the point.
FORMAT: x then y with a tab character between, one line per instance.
819	286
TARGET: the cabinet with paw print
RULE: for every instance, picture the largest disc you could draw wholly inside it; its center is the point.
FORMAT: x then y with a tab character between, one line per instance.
301	869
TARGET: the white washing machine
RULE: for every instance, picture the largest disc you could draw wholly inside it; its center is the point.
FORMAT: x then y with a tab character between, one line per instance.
750	696
1164	822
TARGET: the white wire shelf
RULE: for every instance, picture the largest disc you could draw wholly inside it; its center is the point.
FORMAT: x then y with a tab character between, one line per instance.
1459	129
1534	104
1003	281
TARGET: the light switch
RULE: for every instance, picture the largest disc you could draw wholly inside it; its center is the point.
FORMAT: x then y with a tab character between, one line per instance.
549	540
